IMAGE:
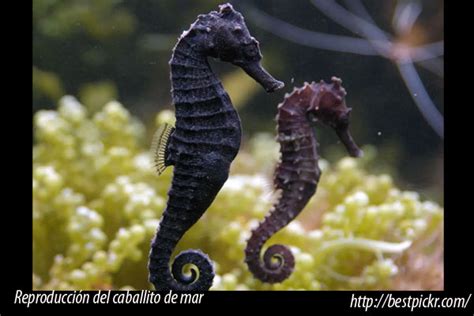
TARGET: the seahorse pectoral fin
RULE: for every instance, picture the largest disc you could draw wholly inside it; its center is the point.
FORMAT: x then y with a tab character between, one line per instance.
160	147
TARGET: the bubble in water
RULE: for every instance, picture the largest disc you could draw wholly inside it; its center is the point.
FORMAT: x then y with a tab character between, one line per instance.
379	133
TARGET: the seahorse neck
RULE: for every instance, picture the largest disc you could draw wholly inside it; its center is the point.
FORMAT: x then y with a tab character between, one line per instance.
192	78
292	113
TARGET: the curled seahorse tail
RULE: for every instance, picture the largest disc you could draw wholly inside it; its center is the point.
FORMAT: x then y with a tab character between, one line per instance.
195	282
277	265
166	273
201	272
188	198
278	261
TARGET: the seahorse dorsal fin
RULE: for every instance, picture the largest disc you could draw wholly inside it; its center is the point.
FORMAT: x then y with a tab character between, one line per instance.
159	147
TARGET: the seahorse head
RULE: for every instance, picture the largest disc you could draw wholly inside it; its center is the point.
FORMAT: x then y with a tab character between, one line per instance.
328	105
225	35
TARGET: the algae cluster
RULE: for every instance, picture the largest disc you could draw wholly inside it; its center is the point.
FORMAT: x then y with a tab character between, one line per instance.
97	202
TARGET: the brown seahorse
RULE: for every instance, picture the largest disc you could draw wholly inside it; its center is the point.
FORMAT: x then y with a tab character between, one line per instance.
297	174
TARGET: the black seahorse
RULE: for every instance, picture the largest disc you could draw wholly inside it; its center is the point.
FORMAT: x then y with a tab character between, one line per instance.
297	174
204	141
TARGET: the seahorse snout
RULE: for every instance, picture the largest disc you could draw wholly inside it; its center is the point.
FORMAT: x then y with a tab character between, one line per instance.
259	74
